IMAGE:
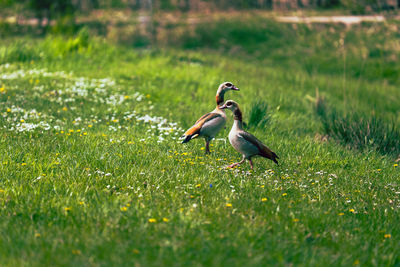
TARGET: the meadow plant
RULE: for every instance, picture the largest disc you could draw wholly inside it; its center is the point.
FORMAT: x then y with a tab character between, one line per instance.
359	131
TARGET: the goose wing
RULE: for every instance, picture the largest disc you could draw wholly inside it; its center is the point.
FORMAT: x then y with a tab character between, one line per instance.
205	116
264	151
195	129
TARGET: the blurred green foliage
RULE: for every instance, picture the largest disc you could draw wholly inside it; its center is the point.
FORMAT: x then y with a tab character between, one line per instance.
51	8
368	51
359	53
55	47
47	7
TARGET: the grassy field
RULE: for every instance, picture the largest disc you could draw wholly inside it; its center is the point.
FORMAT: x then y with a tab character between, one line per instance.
92	171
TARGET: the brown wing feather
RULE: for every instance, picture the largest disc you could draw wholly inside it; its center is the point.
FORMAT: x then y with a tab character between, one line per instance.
200	122
264	150
204	116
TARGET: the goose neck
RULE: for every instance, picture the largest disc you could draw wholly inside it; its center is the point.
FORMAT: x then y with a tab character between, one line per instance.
220	97
237	124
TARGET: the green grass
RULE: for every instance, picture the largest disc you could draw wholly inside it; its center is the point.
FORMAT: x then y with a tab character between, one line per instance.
258	116
358	131
94	184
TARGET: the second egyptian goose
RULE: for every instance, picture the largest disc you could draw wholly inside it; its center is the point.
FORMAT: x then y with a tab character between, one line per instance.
211	123
245	143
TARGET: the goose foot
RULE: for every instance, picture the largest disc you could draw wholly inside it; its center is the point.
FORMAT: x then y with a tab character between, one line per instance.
233	165
237	163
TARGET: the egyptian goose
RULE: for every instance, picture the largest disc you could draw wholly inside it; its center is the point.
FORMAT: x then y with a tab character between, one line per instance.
211	123
245	143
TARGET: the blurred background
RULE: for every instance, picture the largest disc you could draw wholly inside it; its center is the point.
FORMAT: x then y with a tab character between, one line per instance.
67	15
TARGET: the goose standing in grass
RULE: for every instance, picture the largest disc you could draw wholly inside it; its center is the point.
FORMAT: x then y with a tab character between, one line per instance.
211	123
245	143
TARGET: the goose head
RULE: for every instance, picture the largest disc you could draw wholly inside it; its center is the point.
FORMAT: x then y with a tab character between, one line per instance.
222	89
234	107
226	86
231	105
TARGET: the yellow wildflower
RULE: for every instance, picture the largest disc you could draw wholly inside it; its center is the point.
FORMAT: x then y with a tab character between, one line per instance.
352	210
152	220
264	199
65	108
124	209
9	110
76	252
67	208
341	214
296	220
23	164
387	235
229	205
284	194
165	219
198	185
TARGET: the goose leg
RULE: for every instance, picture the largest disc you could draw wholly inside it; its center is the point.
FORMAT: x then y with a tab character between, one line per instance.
237	163
207	146
251	164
